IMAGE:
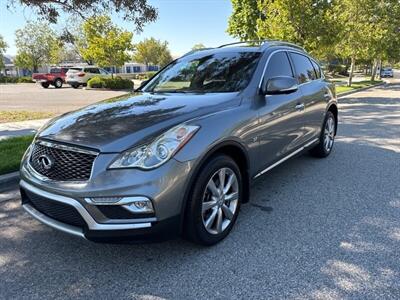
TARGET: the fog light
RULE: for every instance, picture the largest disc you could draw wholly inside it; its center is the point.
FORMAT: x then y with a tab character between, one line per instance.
142	206
135	204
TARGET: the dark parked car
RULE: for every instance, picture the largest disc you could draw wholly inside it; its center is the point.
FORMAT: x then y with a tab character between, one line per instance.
55	77
178	157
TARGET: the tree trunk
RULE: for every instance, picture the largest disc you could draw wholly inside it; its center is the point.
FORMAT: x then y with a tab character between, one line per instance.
374	67
353	62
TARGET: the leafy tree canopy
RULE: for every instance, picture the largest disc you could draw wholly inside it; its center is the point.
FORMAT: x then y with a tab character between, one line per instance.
137	11
3	47
152	52
35	43
106	43
198	46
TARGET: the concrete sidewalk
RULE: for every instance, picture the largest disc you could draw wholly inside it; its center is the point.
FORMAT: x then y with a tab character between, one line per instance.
13	129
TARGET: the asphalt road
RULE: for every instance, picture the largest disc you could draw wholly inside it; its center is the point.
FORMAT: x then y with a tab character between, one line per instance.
32	97
315	229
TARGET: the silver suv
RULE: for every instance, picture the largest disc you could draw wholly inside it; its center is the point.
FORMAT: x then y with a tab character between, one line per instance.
178	156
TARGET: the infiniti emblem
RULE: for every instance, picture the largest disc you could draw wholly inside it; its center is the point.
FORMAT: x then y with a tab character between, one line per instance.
46	161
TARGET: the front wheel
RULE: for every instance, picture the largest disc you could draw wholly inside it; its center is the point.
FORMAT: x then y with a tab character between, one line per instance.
215	201
75	86
327	138
45	85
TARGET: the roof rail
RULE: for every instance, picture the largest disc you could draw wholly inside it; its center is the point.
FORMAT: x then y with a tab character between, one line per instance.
196	50
281	43
243	42
265	44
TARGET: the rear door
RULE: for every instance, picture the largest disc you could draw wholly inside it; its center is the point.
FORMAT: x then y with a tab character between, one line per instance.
314	91
280	129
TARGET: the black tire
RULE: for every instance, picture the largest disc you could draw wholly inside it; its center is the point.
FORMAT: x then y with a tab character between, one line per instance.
195	229
45	85
58	83
75	86
321	150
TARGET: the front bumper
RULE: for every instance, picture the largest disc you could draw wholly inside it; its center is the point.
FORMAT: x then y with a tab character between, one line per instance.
164	186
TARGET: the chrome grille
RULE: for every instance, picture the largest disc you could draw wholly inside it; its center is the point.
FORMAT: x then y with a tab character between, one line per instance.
64	163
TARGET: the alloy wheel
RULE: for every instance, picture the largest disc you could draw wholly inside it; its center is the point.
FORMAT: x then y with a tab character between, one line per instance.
220	200
329	134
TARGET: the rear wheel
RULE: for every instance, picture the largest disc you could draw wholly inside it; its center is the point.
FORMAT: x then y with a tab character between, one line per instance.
58	83
75	86
45	85
215	202
327	138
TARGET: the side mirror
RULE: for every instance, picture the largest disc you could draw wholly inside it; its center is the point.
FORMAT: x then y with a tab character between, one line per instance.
279	85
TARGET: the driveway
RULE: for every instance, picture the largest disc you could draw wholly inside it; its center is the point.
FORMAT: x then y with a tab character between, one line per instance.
314	229
32	97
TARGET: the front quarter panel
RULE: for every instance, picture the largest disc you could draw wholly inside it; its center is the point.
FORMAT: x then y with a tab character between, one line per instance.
236	125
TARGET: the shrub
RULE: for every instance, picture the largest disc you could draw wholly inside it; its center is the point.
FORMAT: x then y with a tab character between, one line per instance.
25	79
9	79
337	69
96	82
116	83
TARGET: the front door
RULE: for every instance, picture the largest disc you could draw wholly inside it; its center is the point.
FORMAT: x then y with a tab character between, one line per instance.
280	129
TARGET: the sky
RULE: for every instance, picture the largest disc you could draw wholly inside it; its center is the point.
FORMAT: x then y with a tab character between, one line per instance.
182	23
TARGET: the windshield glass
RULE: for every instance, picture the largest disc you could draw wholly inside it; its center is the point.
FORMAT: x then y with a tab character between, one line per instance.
213	73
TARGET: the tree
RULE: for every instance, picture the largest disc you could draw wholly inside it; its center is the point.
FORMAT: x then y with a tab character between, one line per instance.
152	52
198	46
107	44
305	22
3	47
35	43
242	24
137	11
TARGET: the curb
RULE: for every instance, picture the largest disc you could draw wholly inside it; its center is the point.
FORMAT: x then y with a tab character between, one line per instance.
9	179
359	90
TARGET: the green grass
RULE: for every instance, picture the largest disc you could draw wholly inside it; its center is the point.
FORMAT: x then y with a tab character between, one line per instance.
16	116
11	152
356	86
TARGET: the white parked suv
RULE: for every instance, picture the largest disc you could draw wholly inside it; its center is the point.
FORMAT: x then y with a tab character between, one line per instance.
77	76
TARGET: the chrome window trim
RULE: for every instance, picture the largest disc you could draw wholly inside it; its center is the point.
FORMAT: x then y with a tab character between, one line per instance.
287	50
92	224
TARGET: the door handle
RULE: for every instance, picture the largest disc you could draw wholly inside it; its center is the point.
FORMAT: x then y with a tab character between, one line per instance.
300	106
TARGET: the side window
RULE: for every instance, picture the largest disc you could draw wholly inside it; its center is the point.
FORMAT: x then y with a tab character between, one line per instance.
278	65
303	67
317	69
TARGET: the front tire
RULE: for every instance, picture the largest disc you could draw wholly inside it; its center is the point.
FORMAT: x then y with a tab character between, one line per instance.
75	86
45	85
215	201
327	138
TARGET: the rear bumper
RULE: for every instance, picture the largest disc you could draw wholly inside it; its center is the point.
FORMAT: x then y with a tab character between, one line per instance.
133	230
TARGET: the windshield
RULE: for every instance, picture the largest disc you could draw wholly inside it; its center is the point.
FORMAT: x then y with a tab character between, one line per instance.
213	73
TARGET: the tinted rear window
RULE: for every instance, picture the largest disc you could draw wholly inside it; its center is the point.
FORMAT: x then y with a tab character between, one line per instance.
303	67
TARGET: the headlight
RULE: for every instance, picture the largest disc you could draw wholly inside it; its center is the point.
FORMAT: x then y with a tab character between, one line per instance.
158	152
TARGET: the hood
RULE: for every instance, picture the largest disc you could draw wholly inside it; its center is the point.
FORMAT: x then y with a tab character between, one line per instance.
117	124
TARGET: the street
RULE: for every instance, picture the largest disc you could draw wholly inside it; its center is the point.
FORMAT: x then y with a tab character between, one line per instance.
32	97
314	229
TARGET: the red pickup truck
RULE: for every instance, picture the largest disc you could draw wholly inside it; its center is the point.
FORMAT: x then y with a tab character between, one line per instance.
56	77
